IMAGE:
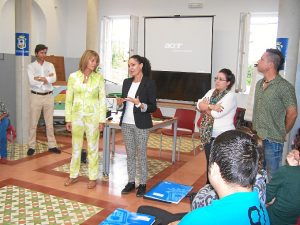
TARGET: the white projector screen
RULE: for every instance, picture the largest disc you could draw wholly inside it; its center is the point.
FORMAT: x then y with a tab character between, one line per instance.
182	44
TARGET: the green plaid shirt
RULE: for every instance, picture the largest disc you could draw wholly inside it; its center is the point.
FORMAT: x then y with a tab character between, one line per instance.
270	107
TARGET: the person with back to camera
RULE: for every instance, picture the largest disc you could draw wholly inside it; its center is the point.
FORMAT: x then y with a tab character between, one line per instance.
85	113
283	196
207	195
233	166
139	101
217	107
275	108
41	75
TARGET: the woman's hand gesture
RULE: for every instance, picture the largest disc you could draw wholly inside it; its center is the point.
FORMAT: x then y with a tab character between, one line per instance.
69	126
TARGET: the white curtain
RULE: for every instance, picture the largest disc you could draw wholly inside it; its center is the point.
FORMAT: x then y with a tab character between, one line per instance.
249	107
133	41
105	47
243	49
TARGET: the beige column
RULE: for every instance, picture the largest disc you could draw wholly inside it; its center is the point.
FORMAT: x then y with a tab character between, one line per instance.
93	25
289	27
22	25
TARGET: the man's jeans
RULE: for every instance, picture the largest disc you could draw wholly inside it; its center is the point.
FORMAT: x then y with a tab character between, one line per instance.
3	141
273	156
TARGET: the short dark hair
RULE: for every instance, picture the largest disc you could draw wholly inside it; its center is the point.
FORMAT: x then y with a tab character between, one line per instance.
258	140
229	77
275	56
146	64
236	154
40	47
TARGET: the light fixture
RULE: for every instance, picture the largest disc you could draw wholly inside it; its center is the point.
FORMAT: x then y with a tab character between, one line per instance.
195	5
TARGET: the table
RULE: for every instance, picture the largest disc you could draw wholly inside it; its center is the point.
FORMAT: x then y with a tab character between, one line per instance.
110	127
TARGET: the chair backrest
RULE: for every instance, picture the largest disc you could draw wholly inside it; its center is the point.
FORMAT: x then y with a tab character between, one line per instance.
11	133
157	114
185	118
239	117
298	221
199	120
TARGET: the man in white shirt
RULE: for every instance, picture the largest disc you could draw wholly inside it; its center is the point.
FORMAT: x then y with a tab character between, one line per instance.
41	75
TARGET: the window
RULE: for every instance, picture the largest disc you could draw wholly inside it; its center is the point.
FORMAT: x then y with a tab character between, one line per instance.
258	32
115	47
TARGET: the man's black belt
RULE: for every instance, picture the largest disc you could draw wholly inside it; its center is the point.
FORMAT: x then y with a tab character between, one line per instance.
39	93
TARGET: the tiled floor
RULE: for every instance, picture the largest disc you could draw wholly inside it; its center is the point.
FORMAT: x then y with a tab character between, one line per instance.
32	188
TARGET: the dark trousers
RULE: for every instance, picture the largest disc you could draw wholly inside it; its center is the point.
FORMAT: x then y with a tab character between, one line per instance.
207	148
4	123
162	217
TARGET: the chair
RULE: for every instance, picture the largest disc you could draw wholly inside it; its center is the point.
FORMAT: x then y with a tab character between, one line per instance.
199	120
185	127
238	119
157	114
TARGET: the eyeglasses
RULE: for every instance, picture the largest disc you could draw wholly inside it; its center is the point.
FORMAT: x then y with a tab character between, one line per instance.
220	79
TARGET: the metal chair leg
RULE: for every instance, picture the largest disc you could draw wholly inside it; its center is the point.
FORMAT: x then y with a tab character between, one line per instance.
113	137
179	147
193	142
160	145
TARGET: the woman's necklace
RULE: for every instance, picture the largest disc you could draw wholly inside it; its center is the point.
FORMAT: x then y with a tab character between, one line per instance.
85	80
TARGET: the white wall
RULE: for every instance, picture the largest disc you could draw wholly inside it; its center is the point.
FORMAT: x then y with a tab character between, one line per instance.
61	24
7	26
75	28
226	25
66	23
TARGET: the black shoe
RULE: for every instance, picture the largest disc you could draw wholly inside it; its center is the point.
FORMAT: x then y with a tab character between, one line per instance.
141	190
128	188
84	156
55	150
30	151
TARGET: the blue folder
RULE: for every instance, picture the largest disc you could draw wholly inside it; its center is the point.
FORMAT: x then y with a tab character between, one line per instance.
124	217
168	191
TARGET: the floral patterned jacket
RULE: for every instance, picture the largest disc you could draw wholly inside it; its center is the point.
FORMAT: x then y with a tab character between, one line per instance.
3	109
85	99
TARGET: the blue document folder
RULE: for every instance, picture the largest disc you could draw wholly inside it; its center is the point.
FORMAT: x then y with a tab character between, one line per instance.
124	217
168	191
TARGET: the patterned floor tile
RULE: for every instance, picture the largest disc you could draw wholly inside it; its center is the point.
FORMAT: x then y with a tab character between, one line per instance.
17	151
155	166
19	205
167	142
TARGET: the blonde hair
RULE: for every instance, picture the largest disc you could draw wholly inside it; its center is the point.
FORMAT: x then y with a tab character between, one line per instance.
86	56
